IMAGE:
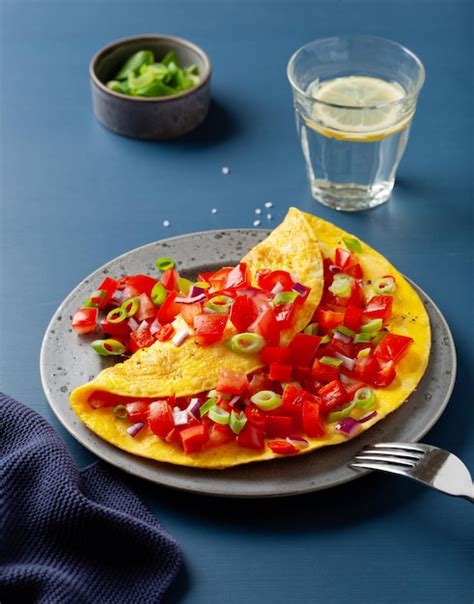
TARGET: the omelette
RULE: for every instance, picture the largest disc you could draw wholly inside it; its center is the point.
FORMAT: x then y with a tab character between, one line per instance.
300	246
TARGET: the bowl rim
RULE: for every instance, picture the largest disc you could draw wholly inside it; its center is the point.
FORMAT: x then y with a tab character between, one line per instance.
104	51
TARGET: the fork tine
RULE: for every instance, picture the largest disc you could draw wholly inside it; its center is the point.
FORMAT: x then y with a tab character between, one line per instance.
379	466
392	460
390	452
400	446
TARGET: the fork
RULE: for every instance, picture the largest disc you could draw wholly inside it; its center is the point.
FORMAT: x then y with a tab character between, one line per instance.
429	465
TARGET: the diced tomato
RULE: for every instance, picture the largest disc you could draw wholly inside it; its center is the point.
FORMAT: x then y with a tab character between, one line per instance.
143	284
85	320
165	333
336	345
109	286
333	396
146	308
218	279
379	307
328	319
115	329
137	411
266	325
282	447
251	437
303	348
357	297
278	425
354	271
142	338
190	311
353	317
280	372
385	375
392	347
193	438
204	277
285	315
344	258
169	309
209	328
219	435
160	418
324	373
170	279
352	387
255	416
365	369
276	354
232	382
330	269
242	313
267	279
260	381
312	422
292	400
100	399
237	277
173	436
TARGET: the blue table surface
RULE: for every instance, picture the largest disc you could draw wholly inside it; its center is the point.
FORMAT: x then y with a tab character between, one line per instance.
74	195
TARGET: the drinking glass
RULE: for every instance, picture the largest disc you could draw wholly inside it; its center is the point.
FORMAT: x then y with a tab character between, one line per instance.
354	98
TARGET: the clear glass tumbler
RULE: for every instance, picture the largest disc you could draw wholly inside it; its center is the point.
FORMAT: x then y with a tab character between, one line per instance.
354	98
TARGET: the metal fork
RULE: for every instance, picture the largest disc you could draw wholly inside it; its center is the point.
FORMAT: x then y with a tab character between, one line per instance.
426	464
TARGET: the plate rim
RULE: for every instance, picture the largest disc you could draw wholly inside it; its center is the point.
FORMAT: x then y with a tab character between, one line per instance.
102	455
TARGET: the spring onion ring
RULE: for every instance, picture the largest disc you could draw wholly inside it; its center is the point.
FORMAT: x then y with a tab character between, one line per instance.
247	343
266	400
108	347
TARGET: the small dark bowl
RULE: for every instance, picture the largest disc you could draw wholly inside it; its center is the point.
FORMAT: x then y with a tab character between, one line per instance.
152	118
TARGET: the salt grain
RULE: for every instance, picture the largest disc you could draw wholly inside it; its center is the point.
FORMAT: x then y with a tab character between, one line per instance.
256	222
269	204
258	211
214	211
166	223
269	216
225	170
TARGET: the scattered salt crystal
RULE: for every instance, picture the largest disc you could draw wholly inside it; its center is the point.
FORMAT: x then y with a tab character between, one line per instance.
269	216
258	211
225	170
256	222
166	223
269	204
214	211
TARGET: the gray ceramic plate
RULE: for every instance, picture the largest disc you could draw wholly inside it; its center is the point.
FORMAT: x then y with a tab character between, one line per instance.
67	361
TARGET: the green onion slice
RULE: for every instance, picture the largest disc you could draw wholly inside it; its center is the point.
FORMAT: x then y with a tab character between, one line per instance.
266	400
385	285
117	315
131	305
207	405
237	421
219	415
158	294
362	354
163	264
202	284
341	285
219	304
335	416
184	285
352	244
371	326
331	361
325	340
121	412
362	338
311	329
378	336
96	299
364	398
247	342
108	347
284	298
345	330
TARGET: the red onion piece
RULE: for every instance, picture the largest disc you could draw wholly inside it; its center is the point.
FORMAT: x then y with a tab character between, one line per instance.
180	416
277	288
117	298
193	408
132	324
298	441
196	291
333	269
134	429
349	427
342	337
367	416
191	300
299	288
346	361
234	400
143	325
155	327
344	379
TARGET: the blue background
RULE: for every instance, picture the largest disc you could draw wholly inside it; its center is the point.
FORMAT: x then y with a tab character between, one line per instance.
74	195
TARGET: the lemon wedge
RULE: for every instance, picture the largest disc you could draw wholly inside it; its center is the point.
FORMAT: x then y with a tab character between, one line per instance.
366	111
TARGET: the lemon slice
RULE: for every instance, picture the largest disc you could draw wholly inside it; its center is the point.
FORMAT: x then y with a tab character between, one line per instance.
357	119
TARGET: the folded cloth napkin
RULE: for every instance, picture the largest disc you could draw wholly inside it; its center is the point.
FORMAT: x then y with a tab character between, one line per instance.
70	536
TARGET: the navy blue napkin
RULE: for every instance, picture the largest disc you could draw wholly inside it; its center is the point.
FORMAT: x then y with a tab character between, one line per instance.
70	536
